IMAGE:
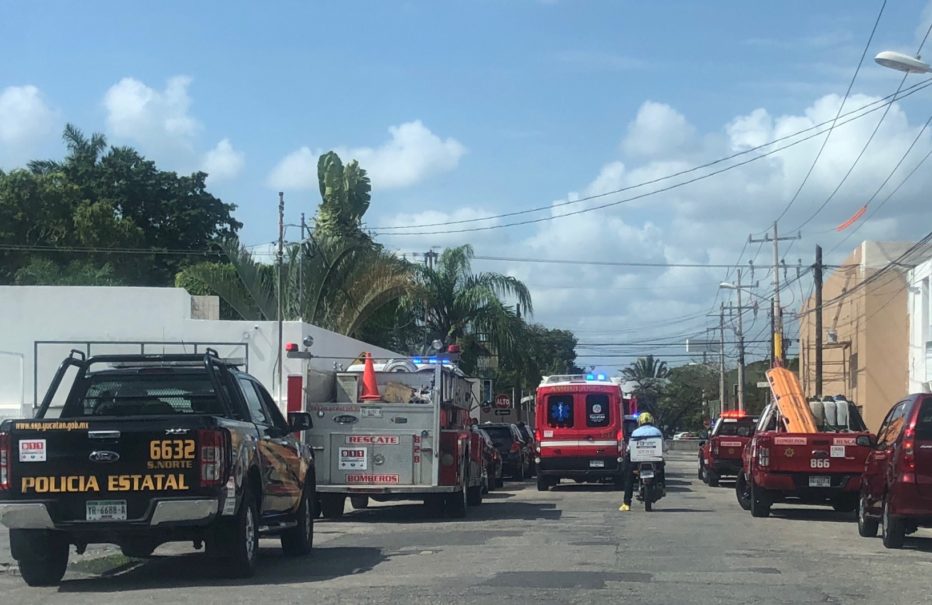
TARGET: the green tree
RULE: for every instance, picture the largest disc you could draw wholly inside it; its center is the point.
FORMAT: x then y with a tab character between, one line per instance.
452	303
650	375
686	389
345	197
99	197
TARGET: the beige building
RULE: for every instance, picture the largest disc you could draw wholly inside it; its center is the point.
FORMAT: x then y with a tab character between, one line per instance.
865	330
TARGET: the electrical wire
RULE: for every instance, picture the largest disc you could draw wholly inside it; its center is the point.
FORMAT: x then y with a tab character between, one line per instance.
633	198
854	77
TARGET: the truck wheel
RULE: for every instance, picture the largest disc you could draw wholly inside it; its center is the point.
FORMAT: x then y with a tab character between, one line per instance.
299	540
543	483
743	492
894	530
237	542
867	527
474	495
455	504
519	474
845	503
491	481
760	505
332	505
701	472
359	502
712	478
648	505
42	556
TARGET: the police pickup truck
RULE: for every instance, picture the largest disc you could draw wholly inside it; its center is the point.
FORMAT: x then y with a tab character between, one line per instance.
149	449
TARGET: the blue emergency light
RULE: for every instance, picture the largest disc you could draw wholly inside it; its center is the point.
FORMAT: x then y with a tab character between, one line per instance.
590	377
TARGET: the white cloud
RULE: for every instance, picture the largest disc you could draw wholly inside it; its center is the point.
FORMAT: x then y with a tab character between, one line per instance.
411	155
26	120
223	162
156	119
706	222
296	171
658	129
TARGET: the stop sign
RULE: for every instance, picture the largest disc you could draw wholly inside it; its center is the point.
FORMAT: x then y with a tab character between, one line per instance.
502	401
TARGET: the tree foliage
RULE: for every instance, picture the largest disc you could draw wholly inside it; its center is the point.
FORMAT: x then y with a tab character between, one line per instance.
345	197
100	198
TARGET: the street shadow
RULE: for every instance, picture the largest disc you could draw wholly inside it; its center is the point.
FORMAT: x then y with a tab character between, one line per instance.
660	509
586	487
416	513
196	569
814	513
918	543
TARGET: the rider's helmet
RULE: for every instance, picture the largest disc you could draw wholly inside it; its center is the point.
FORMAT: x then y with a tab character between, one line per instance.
645	418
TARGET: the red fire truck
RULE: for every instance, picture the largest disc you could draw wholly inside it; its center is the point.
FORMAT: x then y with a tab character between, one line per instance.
721	454
580	429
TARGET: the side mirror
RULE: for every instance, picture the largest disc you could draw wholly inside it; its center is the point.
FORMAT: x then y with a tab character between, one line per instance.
866	441
299	421
701	443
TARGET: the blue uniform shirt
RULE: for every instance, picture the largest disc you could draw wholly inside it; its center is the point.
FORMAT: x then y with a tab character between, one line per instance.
645	432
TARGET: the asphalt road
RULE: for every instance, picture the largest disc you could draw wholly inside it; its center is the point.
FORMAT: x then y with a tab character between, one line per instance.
570	545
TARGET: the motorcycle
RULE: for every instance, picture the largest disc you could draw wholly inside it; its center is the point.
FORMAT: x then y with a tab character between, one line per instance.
650	488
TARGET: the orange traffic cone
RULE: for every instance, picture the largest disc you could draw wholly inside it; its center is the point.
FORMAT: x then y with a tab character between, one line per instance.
370	387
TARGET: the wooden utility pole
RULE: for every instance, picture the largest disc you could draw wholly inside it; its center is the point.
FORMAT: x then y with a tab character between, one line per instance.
721	356
817	273
280	260
778	352
740	347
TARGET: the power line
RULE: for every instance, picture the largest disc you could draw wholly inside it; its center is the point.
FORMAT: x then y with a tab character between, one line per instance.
854	77
382	231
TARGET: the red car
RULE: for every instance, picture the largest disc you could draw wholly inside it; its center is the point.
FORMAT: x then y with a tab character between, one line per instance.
896	489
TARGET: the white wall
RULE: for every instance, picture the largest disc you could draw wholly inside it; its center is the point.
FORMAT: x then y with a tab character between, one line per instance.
919	304
51	313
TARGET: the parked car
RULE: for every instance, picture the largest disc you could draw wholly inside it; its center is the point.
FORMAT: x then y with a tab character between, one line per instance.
512	448
528	435
896	488
493	461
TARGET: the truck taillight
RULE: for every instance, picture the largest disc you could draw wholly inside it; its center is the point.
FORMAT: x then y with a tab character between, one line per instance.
763	456
515	447
909	450
537	435
6	461
212	456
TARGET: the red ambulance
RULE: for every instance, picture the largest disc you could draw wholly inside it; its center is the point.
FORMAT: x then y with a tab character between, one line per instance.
580	429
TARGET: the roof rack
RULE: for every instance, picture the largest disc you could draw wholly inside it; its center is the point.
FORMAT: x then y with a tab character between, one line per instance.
166	360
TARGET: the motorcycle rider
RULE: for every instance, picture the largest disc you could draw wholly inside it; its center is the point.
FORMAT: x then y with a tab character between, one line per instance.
646	429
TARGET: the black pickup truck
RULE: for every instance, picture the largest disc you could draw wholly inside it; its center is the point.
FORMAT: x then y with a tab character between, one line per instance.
149	449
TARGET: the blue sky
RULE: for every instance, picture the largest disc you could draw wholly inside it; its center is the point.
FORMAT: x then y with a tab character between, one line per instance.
470	109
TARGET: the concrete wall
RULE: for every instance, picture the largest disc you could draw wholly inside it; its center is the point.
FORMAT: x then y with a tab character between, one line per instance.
120	316
869	360
919	305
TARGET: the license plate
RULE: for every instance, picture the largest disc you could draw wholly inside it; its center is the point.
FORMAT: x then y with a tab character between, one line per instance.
106	510
597	464
647	474
820	481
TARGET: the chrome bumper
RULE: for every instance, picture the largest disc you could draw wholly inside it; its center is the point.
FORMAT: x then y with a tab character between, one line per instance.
25	515
35	515
174	511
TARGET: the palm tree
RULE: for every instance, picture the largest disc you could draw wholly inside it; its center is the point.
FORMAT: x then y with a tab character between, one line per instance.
338	285
454	303
650	375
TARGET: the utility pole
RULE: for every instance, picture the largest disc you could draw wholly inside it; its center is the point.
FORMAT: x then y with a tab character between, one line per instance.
778	353
280	259
740	347
817	272
301	270
429	257
773	331
721	356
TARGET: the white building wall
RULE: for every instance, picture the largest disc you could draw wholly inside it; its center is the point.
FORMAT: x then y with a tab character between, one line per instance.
920	328
73	316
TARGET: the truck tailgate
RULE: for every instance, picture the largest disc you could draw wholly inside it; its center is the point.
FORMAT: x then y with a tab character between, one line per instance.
103	470
817	454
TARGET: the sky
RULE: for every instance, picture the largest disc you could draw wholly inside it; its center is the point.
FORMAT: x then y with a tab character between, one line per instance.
474	109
